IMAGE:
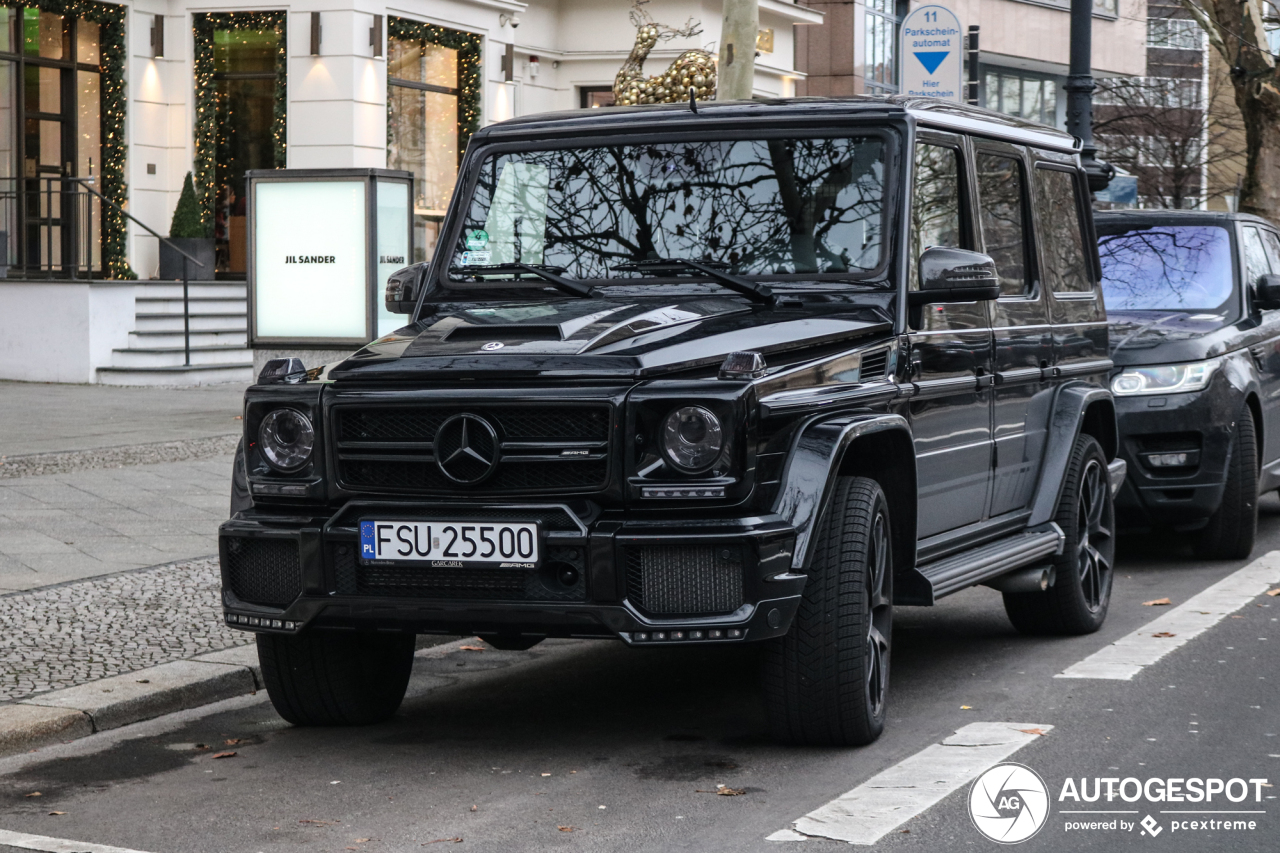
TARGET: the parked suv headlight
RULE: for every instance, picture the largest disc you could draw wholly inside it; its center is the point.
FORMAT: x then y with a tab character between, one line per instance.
1164	378
286	439
692	439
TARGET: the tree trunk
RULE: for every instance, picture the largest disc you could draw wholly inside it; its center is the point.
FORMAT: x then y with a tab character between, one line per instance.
1260	192
737	68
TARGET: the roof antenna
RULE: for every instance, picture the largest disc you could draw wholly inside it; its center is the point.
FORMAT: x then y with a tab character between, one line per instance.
693	104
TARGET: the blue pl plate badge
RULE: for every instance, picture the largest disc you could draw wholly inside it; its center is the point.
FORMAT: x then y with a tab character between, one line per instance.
368	548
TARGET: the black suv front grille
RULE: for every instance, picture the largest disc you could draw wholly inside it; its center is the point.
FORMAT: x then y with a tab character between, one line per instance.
685	580
262	571
544	448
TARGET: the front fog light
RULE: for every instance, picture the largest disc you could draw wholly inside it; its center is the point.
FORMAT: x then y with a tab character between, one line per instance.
286	438
692	439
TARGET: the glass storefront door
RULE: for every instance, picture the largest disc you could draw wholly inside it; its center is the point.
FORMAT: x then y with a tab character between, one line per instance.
50	130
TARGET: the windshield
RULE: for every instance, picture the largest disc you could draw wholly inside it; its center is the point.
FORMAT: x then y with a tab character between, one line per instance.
750	207
1167	267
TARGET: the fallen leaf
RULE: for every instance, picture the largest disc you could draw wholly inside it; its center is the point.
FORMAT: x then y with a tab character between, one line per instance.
546	774
232	741
1163	634
725	791
238	418
457	839
316	822
471	648
57	812
473	808
1032	732
363	840
34	794
144	680
1237	617
966	707
201	746
1273	592
566	828
1156	602
905	831
224	755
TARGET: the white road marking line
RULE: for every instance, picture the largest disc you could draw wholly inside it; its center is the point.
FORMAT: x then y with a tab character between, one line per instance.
891	798
1126	657
55	845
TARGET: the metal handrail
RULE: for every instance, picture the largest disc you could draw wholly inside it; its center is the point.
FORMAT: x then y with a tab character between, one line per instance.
186	295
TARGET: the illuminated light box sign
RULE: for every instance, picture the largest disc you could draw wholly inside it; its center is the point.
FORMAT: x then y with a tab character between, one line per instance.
322	243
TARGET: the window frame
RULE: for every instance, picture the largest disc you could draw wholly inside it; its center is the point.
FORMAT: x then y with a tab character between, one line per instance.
965	190
1031	259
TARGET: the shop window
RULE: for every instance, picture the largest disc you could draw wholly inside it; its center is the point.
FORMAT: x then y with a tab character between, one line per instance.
593	97
880	69
1021	95
432	108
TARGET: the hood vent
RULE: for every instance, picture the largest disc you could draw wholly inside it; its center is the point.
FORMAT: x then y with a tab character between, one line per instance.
507	334
874	365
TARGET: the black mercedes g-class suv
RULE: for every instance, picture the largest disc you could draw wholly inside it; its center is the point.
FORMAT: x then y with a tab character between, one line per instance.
1192	299
754	372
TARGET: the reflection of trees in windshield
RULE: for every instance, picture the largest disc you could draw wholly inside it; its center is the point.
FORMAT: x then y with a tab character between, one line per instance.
1180	267
776	207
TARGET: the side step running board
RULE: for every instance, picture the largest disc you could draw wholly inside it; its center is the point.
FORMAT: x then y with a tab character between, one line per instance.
968	568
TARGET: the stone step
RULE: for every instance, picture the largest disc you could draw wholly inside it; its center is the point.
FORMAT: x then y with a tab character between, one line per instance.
153	322
175	356
194	375
196	304
232	289
202	338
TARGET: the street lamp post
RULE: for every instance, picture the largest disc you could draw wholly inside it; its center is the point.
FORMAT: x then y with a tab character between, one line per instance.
1080	95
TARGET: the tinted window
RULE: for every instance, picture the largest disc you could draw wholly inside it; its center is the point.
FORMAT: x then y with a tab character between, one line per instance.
1066	266
1000	194
1255	257
935	202
758	207
1181	267
1272	243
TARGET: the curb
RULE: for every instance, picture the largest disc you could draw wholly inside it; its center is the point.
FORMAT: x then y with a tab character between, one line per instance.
74	712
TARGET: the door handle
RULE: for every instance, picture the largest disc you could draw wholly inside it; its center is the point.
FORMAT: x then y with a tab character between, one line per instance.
985	379
1259	353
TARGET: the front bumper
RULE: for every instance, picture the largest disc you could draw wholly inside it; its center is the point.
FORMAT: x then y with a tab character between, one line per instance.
285	574
1178	496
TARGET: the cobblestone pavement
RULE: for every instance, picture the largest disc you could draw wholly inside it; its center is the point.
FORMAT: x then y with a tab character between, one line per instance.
63	527
68	461
77	632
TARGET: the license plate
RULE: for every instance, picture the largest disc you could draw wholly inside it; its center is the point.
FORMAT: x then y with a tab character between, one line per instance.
451	544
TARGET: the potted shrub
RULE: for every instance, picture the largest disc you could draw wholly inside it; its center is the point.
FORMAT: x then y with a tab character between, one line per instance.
189	233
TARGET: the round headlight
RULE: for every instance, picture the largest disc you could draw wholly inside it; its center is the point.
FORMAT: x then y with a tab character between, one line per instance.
692	438
286	438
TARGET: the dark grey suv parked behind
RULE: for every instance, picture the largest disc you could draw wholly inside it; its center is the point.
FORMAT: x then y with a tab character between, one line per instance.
761	372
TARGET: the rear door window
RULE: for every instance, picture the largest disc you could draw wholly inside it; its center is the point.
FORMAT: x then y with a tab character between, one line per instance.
1061	229
1001	190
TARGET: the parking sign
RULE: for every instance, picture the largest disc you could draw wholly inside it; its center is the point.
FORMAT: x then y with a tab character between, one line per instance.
932	43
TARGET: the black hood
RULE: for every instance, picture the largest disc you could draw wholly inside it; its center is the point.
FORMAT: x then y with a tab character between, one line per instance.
603	337
1167	337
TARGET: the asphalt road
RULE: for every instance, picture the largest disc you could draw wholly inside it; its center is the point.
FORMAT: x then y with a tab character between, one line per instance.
593	746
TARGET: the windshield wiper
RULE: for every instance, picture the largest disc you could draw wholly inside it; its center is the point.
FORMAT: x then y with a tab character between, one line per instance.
657	266
543	271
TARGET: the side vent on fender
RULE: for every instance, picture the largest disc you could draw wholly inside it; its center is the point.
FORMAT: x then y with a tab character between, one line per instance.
874	365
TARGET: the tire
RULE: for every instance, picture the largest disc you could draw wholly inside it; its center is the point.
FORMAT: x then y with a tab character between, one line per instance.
1231	529
826	680
1081	593
325	678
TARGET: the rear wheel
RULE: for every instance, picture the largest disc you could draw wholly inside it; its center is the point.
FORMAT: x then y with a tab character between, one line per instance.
1231	530
1078	600
323	678
826	681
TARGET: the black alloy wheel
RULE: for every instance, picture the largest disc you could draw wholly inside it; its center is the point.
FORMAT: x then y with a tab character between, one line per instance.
1083	573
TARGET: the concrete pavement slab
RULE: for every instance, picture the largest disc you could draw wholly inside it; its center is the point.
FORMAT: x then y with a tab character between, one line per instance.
24	727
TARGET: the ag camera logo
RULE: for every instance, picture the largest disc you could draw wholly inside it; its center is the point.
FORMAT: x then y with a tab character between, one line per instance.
1009	803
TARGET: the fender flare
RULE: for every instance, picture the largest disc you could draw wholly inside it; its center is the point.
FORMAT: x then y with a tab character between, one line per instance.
817	453
1065	423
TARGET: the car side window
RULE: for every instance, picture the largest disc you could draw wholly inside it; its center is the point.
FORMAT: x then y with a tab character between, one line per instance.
1255	257
1000	195
1272	243
1058	206
935	202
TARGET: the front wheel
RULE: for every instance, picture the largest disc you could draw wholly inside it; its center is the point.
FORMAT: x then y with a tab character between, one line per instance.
1231	529
826	681
323	678
1081	593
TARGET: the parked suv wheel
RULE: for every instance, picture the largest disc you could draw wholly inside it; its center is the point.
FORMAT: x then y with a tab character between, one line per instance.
1078	600
1230	532
336	679
826	680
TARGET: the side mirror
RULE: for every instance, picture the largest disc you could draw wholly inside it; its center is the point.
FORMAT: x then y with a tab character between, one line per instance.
954	275
1267	292
404	288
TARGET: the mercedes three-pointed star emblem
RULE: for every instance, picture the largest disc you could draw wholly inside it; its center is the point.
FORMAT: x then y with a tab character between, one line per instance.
466	449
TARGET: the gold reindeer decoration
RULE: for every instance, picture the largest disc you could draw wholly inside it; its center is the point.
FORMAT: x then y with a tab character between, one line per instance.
693	69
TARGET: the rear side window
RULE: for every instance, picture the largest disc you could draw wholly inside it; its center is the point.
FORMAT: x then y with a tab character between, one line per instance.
1000	194
935	202
1058	206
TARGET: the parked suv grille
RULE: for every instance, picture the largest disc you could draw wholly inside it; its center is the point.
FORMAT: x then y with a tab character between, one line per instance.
262	571
685	580
540	448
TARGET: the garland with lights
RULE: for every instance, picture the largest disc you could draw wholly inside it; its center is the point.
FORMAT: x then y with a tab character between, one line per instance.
206	99
111	174
469	85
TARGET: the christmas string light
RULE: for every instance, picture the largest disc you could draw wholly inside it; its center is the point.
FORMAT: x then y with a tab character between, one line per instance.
470	87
